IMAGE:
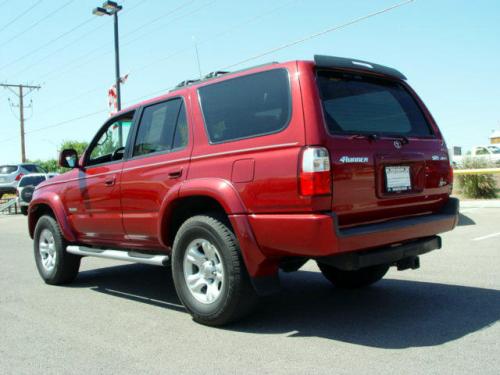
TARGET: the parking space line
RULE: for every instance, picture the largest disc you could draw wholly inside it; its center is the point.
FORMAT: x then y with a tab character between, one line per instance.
487	236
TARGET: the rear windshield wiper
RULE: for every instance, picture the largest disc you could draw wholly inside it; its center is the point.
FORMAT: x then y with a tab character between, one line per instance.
370	137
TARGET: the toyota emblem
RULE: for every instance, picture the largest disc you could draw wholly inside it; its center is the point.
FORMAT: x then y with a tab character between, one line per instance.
397	144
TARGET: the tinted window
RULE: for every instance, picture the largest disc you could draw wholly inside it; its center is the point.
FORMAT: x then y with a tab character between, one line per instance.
247	106
31	180
157	128
8	169
355	104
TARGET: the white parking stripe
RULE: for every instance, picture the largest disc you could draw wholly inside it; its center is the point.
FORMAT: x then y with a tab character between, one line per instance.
487	236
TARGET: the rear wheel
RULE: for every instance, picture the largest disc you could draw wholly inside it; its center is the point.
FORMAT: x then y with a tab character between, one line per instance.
353	279
55	265
209	274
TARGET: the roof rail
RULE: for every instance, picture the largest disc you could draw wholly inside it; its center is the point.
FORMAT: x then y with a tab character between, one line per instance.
187	83
215	74
346	63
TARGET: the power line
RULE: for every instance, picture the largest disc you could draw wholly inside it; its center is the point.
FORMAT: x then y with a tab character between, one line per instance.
57	71
49	42
290	44
59	8
23	13
312	36
170	56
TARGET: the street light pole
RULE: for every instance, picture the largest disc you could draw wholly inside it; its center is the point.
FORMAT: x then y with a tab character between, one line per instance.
117	63
111	8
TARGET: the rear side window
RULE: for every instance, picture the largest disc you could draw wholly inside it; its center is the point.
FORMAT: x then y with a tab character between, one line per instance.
8	169
158	129
248	106
31	181
356	104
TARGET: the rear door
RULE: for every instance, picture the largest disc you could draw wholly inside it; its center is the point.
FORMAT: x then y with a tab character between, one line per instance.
388	158
158	161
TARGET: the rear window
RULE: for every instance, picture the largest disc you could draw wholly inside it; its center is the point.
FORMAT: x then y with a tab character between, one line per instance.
8	169
33	168
248	106
31	180
356	104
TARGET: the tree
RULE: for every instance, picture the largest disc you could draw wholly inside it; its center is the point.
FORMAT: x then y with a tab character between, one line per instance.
52	165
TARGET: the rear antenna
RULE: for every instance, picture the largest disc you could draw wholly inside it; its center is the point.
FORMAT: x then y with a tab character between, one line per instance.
197	56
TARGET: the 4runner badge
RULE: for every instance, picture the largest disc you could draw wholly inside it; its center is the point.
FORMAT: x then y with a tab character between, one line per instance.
348	159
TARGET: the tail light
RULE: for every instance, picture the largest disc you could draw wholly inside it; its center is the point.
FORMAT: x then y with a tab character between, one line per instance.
315	176
19	176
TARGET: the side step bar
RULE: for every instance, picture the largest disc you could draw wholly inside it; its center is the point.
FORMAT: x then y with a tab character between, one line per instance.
129	256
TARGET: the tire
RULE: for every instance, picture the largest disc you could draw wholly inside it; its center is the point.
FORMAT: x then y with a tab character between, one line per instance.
220	291
55	265
24	210
353	279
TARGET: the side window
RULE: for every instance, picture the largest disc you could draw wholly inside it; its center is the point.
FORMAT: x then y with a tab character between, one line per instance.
111	143
247	106
157	129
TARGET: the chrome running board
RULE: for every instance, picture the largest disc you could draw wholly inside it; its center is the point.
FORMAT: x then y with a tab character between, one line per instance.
129	256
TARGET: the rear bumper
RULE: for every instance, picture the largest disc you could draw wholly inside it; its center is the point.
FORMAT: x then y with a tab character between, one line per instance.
8	189
317	235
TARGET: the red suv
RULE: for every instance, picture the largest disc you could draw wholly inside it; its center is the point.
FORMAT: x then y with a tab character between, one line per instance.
234	177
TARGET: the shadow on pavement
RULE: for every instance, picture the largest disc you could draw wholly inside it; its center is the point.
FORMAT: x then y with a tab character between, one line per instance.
393	314
464	220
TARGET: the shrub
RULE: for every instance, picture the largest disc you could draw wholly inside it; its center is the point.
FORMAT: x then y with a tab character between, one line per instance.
477	185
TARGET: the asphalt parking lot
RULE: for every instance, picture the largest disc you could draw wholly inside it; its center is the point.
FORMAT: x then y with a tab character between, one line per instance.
125	318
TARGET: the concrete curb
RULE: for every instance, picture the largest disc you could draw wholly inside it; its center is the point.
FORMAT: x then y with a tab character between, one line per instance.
480	203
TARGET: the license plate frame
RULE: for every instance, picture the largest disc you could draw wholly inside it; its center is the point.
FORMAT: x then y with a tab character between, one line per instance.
397	178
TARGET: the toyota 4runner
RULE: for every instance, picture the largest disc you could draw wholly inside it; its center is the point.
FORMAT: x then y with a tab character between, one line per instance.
231	178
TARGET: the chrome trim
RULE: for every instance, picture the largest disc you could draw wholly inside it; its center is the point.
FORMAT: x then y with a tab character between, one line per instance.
129	256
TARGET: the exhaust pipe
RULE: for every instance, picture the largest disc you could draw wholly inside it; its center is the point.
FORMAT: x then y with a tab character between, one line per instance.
129	256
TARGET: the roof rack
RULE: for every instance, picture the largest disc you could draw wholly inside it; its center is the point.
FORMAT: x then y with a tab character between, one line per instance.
345	63
187	82
215	74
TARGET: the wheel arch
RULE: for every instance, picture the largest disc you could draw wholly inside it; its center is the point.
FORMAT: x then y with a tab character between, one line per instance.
195	197
49	204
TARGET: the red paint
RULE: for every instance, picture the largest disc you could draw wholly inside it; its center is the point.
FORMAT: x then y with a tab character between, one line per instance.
258	182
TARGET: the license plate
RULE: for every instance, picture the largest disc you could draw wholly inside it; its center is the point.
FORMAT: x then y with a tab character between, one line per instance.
397	178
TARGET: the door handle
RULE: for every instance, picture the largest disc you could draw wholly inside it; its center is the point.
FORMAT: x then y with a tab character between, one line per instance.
110	181
175	174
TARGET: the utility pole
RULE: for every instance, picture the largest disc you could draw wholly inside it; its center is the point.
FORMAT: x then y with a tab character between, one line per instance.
21	94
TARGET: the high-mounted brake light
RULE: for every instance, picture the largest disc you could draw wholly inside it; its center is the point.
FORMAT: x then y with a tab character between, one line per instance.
315	176
19	176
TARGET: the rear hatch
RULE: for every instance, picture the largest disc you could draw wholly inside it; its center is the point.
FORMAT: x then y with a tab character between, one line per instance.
7	173
388	158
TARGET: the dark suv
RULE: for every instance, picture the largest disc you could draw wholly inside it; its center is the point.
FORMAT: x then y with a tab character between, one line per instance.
236	176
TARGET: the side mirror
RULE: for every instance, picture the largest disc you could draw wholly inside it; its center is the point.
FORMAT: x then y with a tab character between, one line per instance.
68	158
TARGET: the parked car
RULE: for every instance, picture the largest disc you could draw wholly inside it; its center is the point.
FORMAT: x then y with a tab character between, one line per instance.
26	187
488	153
234	177
11	174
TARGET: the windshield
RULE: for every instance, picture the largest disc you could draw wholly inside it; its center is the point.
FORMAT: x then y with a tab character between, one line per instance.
355	104
494	149
8	169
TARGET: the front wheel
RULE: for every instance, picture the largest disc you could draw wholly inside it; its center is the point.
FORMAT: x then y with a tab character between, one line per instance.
208	271
55	265
24	210
353	279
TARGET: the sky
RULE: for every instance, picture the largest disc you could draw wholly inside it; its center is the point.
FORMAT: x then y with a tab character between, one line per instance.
448	49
